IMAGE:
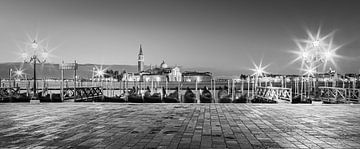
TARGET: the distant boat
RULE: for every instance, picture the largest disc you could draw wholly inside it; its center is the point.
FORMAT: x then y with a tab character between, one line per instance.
135	96
172	97
189	96
224	96
206	96
152	98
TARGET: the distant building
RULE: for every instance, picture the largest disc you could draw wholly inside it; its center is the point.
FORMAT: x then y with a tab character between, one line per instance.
131	77
192	76
162	73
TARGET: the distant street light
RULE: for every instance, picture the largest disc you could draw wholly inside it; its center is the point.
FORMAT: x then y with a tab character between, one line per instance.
259	70
39	55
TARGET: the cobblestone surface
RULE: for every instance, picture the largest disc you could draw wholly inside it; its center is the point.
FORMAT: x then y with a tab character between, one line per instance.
113	125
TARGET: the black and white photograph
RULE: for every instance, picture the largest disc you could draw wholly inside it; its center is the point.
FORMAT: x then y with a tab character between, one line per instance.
179	74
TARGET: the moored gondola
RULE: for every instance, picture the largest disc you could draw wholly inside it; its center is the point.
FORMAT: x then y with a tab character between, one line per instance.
135	96
189	96
50	98
224	96
206	96
152	98
113	99
239	97
172	97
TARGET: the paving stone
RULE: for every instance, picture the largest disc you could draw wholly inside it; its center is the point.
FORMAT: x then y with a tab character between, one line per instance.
114	125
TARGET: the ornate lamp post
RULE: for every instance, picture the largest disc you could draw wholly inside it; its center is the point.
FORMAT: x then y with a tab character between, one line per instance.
38	55
313	56
315	51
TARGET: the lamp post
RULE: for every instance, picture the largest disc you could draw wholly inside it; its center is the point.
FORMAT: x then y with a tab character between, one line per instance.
315	51
313	57
259	71
39	55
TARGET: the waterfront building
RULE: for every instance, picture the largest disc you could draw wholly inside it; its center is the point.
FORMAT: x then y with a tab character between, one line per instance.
162	73
192	76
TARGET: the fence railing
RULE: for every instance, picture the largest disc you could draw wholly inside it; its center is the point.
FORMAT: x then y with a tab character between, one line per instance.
9	91
274	93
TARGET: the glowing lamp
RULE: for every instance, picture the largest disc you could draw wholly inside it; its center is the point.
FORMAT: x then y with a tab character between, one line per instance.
316	43
34	44
328	55
158	79
305	54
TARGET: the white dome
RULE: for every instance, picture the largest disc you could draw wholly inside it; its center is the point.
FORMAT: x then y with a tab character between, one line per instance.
163	65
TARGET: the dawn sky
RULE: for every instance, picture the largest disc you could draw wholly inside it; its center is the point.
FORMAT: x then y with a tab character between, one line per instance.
221	34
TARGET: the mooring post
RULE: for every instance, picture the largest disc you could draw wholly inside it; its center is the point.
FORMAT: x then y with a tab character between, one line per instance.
75	67
62	82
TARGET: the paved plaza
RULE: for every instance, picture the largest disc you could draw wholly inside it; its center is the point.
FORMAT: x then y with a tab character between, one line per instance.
116	125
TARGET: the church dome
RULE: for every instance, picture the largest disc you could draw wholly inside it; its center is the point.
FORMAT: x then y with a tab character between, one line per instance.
163	65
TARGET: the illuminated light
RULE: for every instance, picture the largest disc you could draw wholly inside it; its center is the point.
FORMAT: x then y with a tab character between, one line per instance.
316	43
316	49
158	79
19	72
99	72
305	54
34	44
310	71
259	69
328	55
197	79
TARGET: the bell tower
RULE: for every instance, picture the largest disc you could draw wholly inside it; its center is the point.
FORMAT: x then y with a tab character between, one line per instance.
140	60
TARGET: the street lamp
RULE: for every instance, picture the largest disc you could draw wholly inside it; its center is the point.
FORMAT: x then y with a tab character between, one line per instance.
38	55
313	57
315	51
259	70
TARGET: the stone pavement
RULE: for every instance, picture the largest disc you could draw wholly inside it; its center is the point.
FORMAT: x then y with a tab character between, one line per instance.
117	125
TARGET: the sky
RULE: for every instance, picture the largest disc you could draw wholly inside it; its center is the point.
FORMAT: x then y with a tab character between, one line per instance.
228	35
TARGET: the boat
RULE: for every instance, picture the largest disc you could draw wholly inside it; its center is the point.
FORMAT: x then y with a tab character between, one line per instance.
152	98
172	97
50	98
135	96
206	96
189	96
239	97
113	99
224	96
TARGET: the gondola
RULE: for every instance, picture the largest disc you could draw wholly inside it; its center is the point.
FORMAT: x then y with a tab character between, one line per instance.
224	96
135	96
50	98
172	97
239	97
189	96
15	98
154	98
205	96
113	99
